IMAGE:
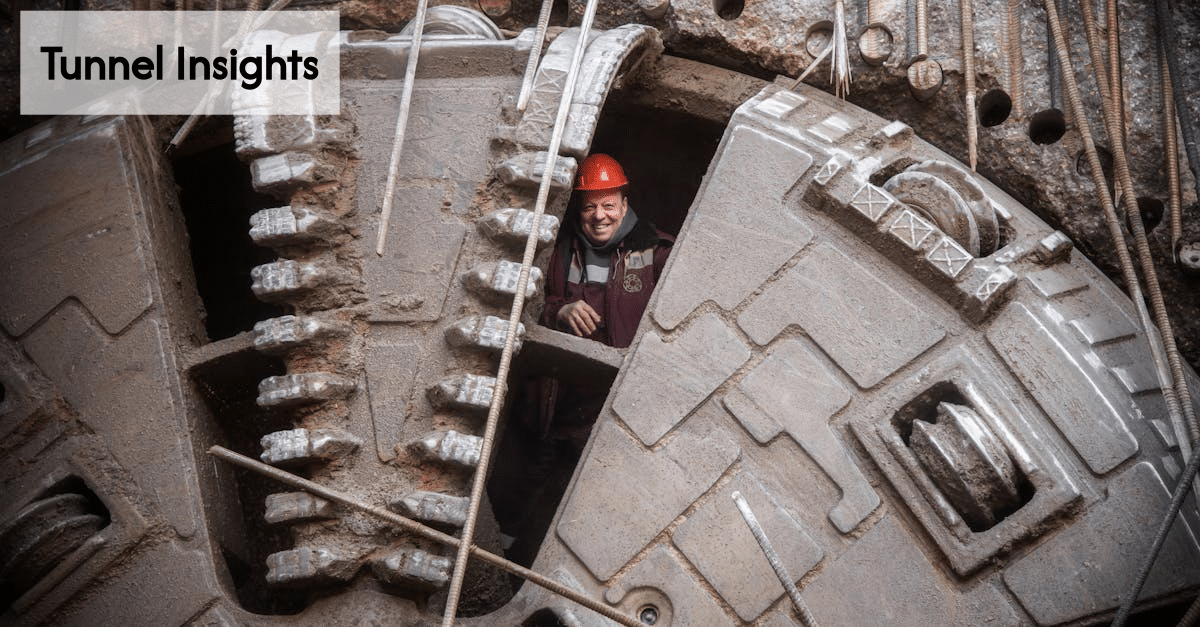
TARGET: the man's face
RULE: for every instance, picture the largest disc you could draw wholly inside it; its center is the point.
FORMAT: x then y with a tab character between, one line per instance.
602	213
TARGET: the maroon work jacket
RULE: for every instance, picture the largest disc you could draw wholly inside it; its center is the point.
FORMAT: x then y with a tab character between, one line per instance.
634	268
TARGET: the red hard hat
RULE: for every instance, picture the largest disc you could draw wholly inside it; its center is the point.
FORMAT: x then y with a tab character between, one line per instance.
600	171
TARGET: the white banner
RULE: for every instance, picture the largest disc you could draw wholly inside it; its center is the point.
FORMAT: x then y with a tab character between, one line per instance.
179	62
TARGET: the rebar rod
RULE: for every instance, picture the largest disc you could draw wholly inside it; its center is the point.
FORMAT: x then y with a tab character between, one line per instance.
1184	87
1170	130
535	54
1175	391
413	526
1053	71
922	24
410	77
777	565
1116	81
1014	55
967	21
812	66
1116	232
925	76
1187	478
1192	613
489	434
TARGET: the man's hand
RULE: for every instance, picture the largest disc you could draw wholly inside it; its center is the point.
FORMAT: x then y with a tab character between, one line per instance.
579	317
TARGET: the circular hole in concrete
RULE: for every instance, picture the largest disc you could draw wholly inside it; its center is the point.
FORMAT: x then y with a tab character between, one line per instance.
818	37
648	615
1151	210
994	107
729	9
1106	164
1047	127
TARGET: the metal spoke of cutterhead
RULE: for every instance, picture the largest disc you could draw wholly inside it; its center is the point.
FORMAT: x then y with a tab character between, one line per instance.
489	433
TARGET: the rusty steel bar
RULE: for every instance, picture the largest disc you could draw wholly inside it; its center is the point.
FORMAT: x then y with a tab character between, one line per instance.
1116	232
408	524
924	74
1174	382
1014	56
1171	140
1116	80
967	21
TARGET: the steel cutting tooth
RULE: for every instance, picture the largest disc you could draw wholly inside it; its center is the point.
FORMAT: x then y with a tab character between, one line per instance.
285	278
307	445
499	280
511	226
433	507
291	225
304	567
449	447
486	332
283	172
303	389
296	507
413	567
277	335
526	170
467	391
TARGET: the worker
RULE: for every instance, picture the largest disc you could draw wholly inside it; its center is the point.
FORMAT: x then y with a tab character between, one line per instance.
607	261
602	272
